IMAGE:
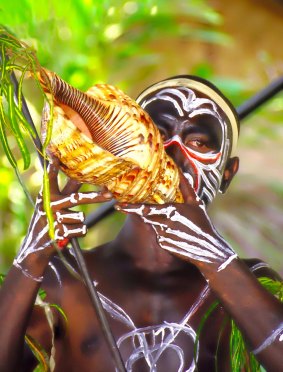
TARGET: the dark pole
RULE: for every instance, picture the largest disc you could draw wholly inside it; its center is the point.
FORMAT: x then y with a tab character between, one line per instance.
94	297
105	210
260	98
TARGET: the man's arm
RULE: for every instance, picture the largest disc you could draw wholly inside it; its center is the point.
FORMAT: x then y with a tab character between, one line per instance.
20	288
186	231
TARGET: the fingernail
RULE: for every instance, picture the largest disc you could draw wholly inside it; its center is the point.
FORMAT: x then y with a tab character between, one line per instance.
107	195
123	205
120	206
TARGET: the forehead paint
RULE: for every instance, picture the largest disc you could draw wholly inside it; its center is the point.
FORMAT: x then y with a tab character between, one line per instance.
195	84
207	167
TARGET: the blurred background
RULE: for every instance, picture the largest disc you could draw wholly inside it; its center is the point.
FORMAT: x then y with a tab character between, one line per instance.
131	44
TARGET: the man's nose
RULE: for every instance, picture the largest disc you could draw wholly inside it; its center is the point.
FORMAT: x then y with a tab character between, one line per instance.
175	150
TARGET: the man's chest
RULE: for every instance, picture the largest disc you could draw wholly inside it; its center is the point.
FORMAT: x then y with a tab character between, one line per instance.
154	330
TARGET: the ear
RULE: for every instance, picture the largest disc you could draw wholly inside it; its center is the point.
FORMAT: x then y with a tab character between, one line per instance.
231	169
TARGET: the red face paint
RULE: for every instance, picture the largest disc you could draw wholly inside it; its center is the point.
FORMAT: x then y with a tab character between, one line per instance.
191	155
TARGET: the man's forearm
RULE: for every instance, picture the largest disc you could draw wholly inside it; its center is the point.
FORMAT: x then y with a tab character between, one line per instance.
17	297
258	314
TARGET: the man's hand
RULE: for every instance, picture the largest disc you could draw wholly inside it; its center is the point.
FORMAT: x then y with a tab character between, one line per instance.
185	229
67	223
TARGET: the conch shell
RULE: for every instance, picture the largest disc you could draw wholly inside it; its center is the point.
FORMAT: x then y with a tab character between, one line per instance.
103	137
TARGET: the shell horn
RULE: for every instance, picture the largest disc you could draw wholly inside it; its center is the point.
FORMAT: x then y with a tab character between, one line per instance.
125	152
92	111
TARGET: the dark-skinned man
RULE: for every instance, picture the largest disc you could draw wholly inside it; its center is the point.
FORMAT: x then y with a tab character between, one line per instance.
160	275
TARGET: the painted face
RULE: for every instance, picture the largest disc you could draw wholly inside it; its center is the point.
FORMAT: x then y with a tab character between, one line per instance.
195	133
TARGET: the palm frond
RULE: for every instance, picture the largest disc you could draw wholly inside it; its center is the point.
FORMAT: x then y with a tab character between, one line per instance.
19	59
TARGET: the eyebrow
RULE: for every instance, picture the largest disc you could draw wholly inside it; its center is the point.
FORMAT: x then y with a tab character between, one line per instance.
206	124
166	120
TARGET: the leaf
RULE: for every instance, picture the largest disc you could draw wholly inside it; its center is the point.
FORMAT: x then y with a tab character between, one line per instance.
42	294
16	129
39	353
3	137
60	310
2	278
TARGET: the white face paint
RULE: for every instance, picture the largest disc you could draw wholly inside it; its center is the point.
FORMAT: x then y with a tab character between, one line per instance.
207	167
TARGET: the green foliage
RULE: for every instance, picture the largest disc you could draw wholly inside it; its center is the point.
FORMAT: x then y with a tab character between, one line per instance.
241	358
104	40
17	57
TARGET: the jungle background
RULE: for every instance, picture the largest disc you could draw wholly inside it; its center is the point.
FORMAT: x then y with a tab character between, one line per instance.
131	44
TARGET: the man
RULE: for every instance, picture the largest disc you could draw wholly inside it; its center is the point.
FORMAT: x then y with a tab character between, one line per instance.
159	278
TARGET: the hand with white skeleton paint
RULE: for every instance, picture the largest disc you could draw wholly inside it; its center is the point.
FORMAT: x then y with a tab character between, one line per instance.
67	223
185	229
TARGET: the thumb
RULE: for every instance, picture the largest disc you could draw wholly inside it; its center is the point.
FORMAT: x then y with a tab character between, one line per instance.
189	194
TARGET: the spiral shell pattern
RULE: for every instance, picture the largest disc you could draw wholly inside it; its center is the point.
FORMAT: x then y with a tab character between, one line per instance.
103	137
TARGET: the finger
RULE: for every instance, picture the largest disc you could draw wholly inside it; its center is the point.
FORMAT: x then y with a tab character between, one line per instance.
187	190
138	209
149	213
80	198
64	231
154	215
53	170
69	217
71	187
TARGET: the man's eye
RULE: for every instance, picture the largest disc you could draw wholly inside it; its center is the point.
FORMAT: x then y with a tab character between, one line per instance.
198	144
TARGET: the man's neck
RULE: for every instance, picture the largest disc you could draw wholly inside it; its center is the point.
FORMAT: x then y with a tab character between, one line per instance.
138	240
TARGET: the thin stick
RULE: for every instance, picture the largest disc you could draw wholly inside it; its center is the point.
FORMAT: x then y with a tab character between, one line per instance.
98	307
260	98
95	300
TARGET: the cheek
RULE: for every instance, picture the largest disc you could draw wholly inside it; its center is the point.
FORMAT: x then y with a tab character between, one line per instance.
208	177
204	172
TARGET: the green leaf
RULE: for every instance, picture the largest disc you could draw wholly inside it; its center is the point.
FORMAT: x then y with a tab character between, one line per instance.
39	353
16	129
2	278
3	137
60	310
